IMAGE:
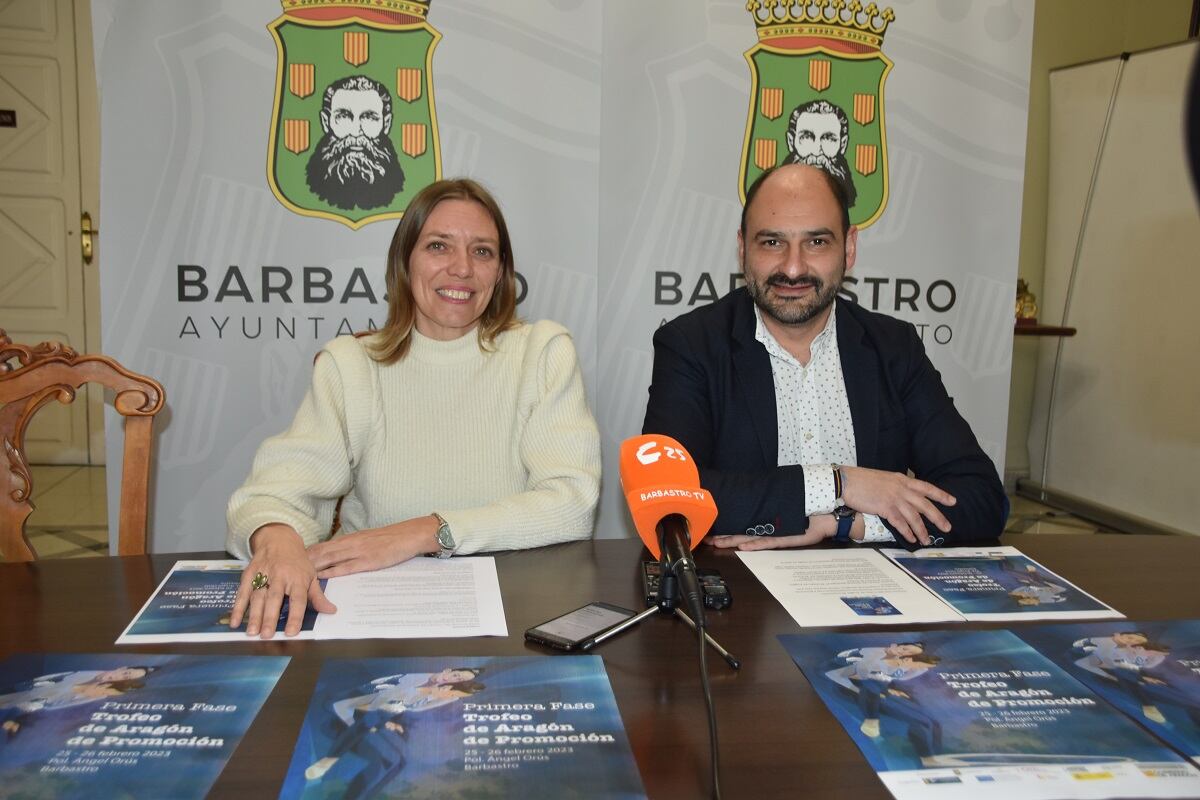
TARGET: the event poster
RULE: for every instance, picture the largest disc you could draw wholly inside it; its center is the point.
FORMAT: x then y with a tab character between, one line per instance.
529	727
998	583
981	714
1149	670
193	603
420	598
132	725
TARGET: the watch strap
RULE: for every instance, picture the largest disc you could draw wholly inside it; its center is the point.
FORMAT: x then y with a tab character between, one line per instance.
845	521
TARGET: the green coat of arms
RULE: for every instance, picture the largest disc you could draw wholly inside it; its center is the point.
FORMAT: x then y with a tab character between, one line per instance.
817	96
353	132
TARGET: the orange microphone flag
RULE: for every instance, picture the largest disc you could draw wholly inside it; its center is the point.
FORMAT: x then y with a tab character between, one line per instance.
659	478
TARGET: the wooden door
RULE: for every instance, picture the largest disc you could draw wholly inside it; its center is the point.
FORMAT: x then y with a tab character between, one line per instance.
42	278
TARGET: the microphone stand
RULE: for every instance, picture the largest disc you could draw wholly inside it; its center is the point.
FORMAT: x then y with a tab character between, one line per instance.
668	602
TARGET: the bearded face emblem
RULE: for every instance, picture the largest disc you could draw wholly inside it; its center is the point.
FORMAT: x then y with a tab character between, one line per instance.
355	163
818	134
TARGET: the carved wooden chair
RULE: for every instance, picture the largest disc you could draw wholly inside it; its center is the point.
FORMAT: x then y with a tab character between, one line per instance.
30	377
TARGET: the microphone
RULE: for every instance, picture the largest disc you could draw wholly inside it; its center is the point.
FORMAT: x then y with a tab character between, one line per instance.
670	510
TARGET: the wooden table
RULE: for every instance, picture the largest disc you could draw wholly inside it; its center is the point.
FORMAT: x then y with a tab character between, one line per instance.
777	739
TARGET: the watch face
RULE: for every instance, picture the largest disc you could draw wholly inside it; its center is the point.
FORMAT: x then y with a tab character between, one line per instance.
444	539
841	512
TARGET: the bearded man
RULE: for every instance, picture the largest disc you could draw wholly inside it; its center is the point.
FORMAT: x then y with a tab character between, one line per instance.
818	134
806	414
355	163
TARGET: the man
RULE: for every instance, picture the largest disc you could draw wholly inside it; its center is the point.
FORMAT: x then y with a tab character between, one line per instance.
355	162
818	134
796	407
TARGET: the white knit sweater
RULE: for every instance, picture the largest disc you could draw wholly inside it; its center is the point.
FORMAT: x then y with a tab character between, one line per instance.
501	444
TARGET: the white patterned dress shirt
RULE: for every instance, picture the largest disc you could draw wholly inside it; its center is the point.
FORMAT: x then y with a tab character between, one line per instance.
815	428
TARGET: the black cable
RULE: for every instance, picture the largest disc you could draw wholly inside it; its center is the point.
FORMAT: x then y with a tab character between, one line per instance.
712	715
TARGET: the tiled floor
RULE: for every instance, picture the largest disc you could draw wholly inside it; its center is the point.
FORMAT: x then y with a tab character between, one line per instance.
71	519
71	515
1029	516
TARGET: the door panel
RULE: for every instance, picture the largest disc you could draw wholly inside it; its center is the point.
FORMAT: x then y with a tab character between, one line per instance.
41	268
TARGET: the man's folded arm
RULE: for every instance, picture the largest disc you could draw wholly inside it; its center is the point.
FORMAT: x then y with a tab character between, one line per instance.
747	502
679	407
946	453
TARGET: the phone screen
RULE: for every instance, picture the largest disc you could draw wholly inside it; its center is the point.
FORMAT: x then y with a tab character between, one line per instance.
579	624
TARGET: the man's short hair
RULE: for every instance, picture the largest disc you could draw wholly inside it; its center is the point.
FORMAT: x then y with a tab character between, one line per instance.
356	83
835	186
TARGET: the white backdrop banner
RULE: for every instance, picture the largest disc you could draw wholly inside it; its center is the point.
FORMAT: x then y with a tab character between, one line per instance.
618	137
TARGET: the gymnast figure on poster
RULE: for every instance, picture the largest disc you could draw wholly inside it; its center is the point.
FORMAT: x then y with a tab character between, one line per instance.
374	729
63	690
872	673
1028	585
1134	662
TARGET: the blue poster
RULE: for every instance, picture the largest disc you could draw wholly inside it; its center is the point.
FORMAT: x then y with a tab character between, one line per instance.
133	725
1149	670
966	708
998	584
529	727
193	604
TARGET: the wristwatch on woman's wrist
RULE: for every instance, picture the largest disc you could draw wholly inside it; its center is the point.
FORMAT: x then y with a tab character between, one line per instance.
445	541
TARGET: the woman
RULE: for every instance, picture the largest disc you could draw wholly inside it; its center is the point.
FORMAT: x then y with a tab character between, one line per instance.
1136	663
375	728
66	689
872	673
408	690
454	429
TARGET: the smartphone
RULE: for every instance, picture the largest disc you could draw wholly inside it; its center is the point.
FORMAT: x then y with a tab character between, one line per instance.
716	593
566	632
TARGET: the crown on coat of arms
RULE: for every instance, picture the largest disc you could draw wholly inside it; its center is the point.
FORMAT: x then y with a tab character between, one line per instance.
851	22
411	8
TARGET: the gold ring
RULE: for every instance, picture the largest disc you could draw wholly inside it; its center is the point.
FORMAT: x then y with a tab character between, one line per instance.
260	581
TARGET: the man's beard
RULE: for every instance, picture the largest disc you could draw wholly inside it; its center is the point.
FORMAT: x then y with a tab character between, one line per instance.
792	311
837	166
346	177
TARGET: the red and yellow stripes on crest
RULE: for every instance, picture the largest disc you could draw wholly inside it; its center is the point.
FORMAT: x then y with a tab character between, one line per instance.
864	108
355	47
295	135
819	72
408	84
866	158
301	79
765	153
771	102
412	138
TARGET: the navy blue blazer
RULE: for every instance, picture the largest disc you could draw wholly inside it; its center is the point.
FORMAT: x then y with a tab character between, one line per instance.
712	389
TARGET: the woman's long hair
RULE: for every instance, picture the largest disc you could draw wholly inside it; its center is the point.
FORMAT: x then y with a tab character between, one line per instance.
394	339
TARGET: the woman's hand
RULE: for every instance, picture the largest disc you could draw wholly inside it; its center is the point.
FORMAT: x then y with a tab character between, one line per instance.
279	555
375	548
